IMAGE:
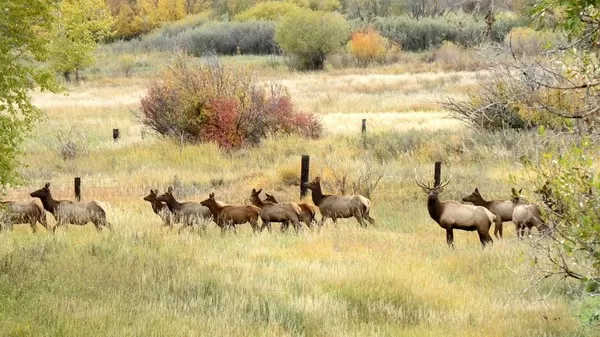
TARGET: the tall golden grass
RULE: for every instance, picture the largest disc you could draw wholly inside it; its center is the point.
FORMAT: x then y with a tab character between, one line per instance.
397	278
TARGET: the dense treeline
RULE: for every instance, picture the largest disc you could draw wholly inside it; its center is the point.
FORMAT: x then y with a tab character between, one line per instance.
133	18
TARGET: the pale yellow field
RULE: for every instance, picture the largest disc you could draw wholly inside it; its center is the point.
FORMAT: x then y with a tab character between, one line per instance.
397	278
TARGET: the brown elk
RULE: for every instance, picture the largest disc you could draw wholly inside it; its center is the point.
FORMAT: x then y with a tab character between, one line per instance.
69	212
274	212
307	211
31	212
452	215
502	209
231	215
336	206
160	208
526	215
187	213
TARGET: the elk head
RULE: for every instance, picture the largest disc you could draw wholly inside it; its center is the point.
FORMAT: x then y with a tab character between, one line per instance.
433	192
42	192
473	197
515	196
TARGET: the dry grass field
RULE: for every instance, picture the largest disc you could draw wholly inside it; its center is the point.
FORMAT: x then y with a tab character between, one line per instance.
397	278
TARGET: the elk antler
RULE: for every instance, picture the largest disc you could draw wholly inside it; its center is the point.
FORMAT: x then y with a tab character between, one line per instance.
442	185
420	184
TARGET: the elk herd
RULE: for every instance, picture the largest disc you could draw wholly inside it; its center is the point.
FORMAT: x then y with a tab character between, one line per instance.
477	216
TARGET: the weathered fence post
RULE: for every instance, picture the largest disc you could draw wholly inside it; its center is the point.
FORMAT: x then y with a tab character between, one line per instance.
304	174
115	134
78	188
437	173
364	126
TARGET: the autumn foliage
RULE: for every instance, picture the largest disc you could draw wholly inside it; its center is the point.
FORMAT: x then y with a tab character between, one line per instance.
207	102
368	46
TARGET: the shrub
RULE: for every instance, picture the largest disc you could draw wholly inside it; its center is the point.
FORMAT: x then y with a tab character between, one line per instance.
505	101
310	36
456	58
267	11
251	37
210	103
426	33
370	47
527	41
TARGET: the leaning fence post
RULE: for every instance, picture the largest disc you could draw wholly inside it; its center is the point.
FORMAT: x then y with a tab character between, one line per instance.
77	188
304	174
437	173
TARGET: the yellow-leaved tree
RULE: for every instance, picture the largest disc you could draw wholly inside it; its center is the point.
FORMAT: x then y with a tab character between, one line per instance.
79	26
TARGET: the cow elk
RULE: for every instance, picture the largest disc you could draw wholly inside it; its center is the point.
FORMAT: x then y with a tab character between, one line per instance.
502	209
160	208
187	213
68	212
31	212
274	212
526	215
336	206
452	215
307	211
231	215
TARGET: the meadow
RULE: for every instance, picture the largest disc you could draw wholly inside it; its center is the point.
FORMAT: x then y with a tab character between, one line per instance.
396	278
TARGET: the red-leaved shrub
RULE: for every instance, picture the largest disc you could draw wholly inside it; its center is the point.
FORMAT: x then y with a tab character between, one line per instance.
211	103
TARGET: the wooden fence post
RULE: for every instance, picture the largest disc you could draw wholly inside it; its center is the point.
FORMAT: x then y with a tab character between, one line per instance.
364	126
78	188
115	134
304	170
437	173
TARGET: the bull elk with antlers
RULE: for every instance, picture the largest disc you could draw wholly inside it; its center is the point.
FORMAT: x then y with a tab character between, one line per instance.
452	215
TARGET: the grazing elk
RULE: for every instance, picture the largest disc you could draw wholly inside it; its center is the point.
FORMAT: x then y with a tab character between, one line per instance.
502	209
69	212
231	215
307	211
336	206
187	213
452	215
31	212
274	212
526	215
160	208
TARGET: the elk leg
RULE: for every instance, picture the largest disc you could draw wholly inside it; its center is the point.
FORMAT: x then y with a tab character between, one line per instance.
360	220
266	224
498	228
450	237
369	219
484	238
33	225
296	225
284	226
323	218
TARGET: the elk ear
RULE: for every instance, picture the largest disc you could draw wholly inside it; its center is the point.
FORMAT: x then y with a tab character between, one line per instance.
253	191
513	191
268	195
317	179
521	190
170	189
47	185
476	190
258	192
212	195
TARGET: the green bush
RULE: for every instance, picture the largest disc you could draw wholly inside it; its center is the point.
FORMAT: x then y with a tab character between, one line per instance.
267	11
309	36
527	41
426	33
252	37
